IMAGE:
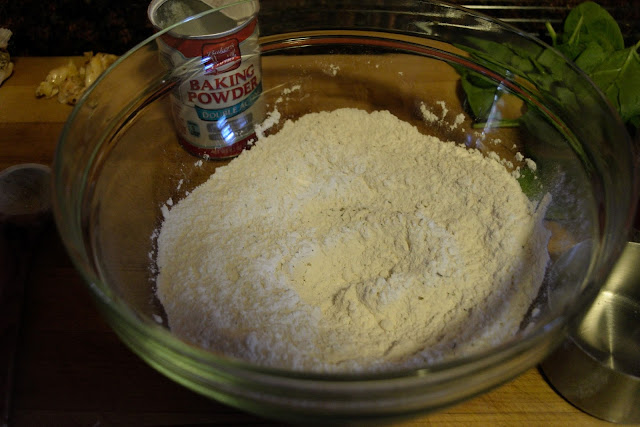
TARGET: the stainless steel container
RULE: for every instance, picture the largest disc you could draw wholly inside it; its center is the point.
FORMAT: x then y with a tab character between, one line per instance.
597	368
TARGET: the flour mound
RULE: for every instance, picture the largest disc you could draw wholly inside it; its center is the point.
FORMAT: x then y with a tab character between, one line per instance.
348	241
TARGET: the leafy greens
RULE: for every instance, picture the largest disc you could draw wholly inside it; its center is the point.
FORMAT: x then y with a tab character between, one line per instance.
593	40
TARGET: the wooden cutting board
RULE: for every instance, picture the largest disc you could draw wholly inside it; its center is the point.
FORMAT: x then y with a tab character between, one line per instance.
73	370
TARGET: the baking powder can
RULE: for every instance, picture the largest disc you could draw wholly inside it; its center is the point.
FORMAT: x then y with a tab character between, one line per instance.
216	101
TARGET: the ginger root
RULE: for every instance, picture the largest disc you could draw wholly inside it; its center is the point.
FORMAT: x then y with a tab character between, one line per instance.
6	66
68	82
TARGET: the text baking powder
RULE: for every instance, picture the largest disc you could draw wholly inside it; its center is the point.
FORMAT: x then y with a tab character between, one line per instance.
348	241
217	100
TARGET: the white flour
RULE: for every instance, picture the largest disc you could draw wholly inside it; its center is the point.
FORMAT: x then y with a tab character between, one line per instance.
349	241
430	117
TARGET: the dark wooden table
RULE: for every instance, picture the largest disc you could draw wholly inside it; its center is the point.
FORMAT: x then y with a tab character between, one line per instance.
73	370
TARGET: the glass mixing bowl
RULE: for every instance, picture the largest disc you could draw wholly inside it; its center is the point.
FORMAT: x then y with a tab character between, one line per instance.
119	161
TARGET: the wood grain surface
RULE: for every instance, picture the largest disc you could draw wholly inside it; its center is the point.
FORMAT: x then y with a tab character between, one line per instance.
73	370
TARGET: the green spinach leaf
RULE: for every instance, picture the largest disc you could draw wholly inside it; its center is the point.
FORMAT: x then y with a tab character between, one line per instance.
480	93
619	78
591	38
589	23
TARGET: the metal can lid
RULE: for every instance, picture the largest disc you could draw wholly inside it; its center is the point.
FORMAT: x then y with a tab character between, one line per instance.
165	13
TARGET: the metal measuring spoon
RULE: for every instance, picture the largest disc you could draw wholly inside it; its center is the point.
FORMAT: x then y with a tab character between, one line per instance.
25	193
25	205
